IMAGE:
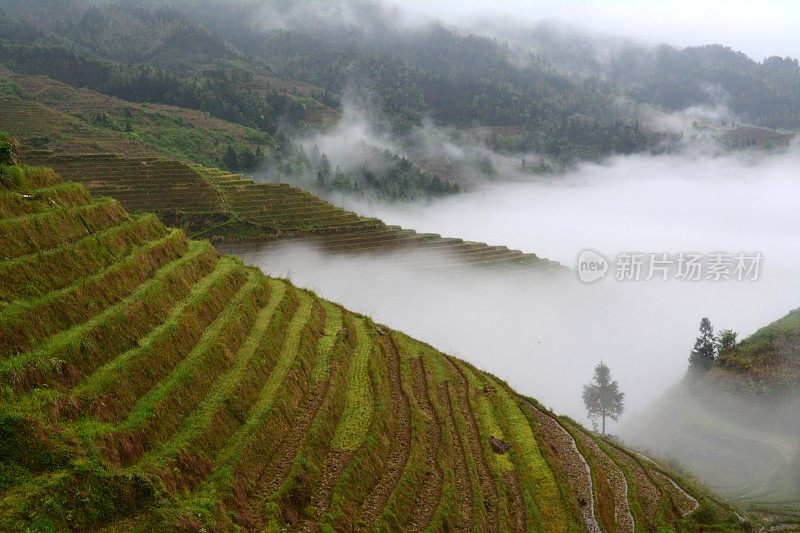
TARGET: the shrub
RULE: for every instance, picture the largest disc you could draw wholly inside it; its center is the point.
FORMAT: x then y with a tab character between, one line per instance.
11	177
8	150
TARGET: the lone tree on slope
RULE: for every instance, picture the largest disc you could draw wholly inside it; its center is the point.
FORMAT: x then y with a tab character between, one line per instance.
602	397
705	350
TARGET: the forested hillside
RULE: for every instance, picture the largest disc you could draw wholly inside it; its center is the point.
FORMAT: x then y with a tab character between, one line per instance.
765	93
290	81
289	71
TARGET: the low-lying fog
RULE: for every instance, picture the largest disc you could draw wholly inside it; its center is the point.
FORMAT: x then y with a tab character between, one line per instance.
545	336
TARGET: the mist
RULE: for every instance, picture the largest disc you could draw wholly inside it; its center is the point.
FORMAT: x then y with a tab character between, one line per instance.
545	334
759	29
358	141
744	447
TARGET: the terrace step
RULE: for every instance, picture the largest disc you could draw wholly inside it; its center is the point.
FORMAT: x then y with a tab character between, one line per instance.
25	323
69	262
66	356
39	232
14	204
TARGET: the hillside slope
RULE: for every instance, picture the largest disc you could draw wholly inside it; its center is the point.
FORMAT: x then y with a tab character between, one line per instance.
150	383
739	425
49	114
248	218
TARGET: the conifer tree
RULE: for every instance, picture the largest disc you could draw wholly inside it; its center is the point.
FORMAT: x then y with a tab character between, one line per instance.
602	397
705	349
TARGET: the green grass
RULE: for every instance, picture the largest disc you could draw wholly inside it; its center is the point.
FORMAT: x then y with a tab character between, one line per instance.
26	324
539	486
15	204
189	366
38	232
333	325
200	419
354	422
487	423
762	341
19	308
268	393
66	344
65	264
26	178
105	377
176	395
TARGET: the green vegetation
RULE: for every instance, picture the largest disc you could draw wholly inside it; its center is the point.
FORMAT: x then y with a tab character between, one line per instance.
164	387
191	81
171	131
333	325
602	397
8	154
763	92
767	353
542	496
702	356
214	93
357	411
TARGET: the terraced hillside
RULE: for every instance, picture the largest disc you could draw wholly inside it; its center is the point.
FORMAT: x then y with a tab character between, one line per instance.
150	383
247	218
50	114
41	126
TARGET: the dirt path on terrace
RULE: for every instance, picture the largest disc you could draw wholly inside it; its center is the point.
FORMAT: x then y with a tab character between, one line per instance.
281	463
334	465
623	518
516	504
649	494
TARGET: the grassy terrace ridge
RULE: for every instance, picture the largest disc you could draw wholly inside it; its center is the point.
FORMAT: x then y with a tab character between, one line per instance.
195	393
246	218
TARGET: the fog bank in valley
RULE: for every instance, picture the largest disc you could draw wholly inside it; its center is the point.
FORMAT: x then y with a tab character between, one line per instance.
544	335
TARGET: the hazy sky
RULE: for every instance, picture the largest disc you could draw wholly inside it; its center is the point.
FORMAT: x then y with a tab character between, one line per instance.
758	28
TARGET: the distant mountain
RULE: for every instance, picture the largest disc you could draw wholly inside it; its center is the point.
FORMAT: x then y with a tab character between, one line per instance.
455	78
288	69
765	93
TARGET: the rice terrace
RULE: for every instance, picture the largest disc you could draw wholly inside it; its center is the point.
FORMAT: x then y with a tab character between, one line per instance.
311	266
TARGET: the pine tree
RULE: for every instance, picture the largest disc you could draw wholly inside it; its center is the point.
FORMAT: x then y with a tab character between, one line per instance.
602	397
702	356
